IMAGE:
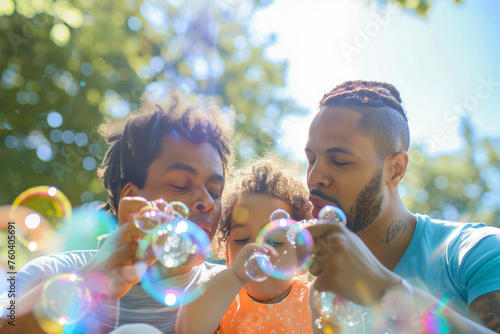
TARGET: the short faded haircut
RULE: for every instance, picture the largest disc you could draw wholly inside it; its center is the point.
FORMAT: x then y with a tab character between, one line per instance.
383	118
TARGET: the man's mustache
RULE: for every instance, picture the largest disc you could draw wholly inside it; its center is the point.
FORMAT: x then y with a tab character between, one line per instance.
326	198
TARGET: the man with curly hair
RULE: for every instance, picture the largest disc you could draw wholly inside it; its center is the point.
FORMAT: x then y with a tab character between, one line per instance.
175	149
419	273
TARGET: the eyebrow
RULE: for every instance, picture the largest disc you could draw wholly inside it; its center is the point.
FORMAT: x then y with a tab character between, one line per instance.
333	150
238	225
191	170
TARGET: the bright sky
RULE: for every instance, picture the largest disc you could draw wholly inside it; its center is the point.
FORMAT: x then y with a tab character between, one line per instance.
443	65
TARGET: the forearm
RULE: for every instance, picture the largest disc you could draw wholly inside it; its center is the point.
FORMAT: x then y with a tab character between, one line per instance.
430	308
205	313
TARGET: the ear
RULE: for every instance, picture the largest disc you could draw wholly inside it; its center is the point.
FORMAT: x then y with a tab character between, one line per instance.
396	165
129	189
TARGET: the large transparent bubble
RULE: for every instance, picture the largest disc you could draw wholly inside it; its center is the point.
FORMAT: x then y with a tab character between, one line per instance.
66	298
178	241
294	245
169	291
36	213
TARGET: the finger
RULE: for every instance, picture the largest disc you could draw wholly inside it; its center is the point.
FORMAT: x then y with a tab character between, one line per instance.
320	230
270	250
321	284
128	232
128	207
123	255
315	269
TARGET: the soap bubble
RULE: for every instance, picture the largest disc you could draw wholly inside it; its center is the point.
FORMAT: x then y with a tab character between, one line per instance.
47	201
279	213
259	267
332	214
159	212
66	299
294	245
179	241
168	290
333	310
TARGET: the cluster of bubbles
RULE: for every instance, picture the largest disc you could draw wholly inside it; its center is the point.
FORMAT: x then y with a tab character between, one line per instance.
174	241
295	251
43	218
171	236
335	313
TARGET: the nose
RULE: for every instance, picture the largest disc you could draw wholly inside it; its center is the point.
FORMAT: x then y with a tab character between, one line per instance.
317	175
203	202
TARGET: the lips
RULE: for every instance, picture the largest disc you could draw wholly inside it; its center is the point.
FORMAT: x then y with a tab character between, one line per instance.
206	226
204	221
318	204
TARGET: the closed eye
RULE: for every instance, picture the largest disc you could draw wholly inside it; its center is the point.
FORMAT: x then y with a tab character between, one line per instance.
179	187
275	243
242	241
338	163
214	196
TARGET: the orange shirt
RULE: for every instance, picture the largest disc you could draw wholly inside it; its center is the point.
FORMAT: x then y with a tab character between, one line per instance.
291	315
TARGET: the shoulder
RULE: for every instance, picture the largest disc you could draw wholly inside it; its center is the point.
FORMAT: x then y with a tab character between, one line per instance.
68	260
458	232
209	268
45	267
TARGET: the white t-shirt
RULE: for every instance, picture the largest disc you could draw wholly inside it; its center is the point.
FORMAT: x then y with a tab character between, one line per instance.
137	306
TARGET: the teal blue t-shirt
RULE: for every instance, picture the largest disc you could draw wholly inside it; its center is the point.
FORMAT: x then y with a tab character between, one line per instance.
455	262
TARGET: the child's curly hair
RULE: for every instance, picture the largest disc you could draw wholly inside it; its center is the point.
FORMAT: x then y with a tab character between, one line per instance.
271	175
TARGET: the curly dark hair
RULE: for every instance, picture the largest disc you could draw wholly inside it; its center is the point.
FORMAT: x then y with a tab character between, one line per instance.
271	175
136	140
384	116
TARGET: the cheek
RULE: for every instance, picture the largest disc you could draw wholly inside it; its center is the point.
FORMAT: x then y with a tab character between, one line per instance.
232	251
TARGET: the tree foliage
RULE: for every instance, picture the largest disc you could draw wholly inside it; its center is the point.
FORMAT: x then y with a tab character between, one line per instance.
460	186
65	65
421	7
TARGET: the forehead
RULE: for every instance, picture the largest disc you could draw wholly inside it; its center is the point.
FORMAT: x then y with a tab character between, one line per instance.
255	209
336	126
203	157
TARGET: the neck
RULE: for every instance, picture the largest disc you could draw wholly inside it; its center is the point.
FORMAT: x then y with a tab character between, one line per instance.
274	300
390	234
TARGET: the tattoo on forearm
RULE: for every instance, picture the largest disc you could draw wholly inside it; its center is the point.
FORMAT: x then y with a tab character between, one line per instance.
394	229
487	307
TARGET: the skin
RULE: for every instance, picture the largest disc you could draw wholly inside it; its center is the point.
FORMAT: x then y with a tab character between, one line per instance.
186	172
221	290
259	207
344	170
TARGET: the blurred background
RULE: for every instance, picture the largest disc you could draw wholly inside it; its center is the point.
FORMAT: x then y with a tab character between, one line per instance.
66	65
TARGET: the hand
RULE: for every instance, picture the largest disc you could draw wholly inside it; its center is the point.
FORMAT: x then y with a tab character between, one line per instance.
117	258
238	265
344	265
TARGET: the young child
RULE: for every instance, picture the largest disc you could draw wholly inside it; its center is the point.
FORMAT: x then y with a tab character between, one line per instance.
274	305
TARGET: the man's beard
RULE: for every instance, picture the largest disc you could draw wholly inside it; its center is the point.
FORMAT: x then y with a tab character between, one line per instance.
367	206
